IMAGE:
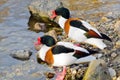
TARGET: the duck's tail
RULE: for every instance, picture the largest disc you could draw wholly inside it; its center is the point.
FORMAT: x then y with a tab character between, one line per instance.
96	42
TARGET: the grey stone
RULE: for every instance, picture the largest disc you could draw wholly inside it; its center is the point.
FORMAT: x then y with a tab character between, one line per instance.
21	54
97	70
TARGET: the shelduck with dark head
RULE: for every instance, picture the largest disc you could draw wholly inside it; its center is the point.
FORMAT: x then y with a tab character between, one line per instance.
62	53
78	29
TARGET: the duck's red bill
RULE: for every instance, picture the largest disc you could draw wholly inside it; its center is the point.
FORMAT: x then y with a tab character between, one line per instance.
38	41
53	14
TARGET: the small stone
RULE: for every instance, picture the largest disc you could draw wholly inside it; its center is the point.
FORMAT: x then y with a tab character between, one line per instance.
53	34
105	19
36	74
118	78
40	26
97	70
117	44
112	72
113	55
49	75
73	72
92	23
21	54
116	59
117	27
18	72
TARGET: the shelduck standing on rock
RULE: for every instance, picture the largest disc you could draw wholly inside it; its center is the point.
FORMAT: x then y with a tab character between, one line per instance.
62	53
78	29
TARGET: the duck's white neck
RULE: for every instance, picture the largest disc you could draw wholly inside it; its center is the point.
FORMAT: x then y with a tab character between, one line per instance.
62	21
42	52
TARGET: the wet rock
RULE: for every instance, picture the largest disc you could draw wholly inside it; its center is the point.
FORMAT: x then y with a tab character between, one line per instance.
21	54
53	34
40	26
42	8
36	74
97	70
49	75
112	72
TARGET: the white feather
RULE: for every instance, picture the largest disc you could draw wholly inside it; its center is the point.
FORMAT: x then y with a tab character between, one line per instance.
42	52
97	42
77	34
87	25
64	59
62	22
86	59
70	45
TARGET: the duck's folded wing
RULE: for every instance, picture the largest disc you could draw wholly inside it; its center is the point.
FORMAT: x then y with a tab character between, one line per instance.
72	46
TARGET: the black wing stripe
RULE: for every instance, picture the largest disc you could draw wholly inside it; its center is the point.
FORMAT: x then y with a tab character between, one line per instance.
105	37
78	24
61	49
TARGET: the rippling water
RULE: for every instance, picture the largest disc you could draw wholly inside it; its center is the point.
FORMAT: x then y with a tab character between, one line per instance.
14	33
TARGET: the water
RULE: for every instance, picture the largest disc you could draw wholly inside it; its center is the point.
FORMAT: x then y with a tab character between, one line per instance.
14	33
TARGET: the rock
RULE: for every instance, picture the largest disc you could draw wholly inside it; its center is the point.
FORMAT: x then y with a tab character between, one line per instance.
116	60
21	54
118	78
97	70
113	14
112	72
40	26
53	34
113	55
42	8
36	74
49	75
105	19
117	44
117	27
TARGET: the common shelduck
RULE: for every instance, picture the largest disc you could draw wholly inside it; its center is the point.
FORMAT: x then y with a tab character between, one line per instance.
78	29
62	53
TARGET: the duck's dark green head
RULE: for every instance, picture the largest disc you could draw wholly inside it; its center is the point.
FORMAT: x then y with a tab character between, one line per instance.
47	40
62	11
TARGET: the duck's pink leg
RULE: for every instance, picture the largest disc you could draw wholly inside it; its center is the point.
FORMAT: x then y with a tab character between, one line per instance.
77	44
61	75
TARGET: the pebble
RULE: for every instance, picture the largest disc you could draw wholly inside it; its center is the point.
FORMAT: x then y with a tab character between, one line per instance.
97	70
105	19
117	27
118	78
21	54
50	75
112	72
53	34
40	26
113	55
117	44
